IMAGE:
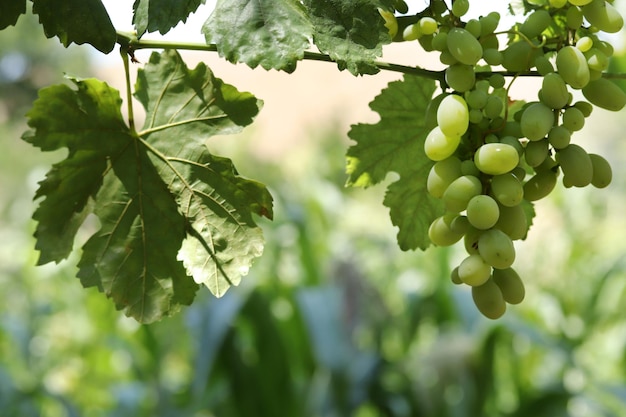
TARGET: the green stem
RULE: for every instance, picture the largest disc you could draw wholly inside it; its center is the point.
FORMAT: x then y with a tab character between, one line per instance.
124	48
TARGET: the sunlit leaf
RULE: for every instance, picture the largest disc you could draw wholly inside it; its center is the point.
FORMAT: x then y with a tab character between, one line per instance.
161	15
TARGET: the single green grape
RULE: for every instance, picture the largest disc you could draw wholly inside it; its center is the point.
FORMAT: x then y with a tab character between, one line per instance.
440	232
460	192
474	271
464	46
496	158
605	93
539	185
489	300
573	119
513	222
572	66
442	174
496	248
439	146
510	284
537	120
535	23
482	212
559	137
576	166
460	77
603	15
602	172
507	189
536	152
554	92
453	115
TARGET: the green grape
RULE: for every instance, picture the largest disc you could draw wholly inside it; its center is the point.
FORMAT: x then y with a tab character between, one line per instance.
603	15
454	276
512	128
540	185
431	111
440	41
574	18
496	81
513	222
535	23
494	107
496	248
573	119
492	56
605	93
557	4
576	166
460	7
468	167
536	152
518	56
453	115
554	92
519	172
496	158
401	6
489	300
572	66
441	176
543	64
464	46
470	241
473	27
446	58
411	32
559	137
602	172
584	44
439	146
537	120
585	107
489	23
579	2
596	60
474	271
441	234
476	99
490	42
514	142
460	224
605	47
475	116
460	192
428	25
507	189
510	284
482	212
548	164
460	77
438	7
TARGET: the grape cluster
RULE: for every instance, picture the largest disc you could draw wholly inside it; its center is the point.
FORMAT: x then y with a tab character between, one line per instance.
494	156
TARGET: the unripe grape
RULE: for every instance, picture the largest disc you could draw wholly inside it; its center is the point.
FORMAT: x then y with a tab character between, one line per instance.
579	2
427	25
554	92
537	120
596	60
470	241
440	232
460	7
605	93
535	23
473	27
507	189
536	152
559	137
574	17
454	276
494	107
442	174
540	185
431	111
514	142
603	15
492	56
439	146
464	46
513	222
572	66
584	44
460	224
543	64
474	271
496	81
482	212
460	192
476	99
453	115
602	172
489	23
557	4
468	167
576	166
585	107
518	56
510	284
489	300
573	119
460	77
440	41
496	158
401	6
411	32
496	248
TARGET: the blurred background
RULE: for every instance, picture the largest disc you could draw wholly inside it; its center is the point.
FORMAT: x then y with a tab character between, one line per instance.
334	320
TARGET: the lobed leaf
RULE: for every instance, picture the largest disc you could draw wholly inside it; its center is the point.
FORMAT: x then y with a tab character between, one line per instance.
396	143
270	33
161	15
351	32
11	11
78	21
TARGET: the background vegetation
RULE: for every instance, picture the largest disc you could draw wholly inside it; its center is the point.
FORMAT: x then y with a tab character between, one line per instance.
333	321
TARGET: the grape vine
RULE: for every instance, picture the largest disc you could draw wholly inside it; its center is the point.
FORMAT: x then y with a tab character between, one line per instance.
471	159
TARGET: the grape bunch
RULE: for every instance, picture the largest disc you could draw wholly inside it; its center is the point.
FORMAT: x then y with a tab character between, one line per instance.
494	156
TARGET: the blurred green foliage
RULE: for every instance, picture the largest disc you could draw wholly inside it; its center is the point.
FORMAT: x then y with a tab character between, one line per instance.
334	319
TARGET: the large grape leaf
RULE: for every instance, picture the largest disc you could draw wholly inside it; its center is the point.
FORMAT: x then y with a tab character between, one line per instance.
396	144
10	11
163	201
78	21
161	15
351	32
270	33
217	202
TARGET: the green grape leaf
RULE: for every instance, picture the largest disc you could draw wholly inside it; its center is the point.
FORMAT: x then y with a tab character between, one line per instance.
351	32
223	239
270	33
161	15
396	144
11	11
78	21
171	213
